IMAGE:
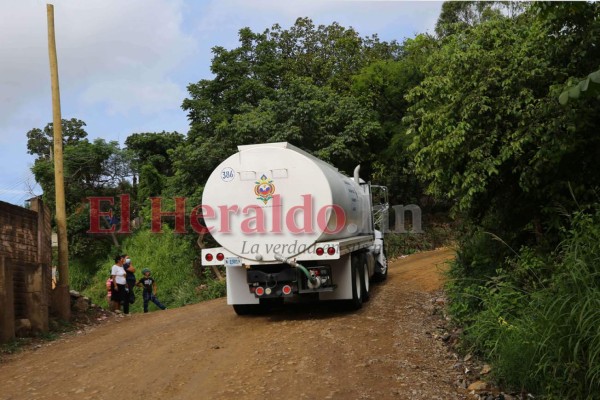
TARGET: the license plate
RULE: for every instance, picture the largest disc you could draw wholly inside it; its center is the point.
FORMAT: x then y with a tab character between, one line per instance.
233	262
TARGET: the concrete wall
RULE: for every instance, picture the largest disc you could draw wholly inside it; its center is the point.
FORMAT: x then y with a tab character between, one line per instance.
25	269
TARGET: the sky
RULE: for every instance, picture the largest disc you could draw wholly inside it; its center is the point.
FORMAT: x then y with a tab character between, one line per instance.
124	66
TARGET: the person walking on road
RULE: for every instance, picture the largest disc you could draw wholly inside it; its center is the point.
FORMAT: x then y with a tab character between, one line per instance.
150	288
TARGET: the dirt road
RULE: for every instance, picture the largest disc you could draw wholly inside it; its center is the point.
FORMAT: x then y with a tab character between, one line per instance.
205	351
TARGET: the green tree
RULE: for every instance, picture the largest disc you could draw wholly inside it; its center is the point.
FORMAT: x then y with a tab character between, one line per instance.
90	168
97	168
458	16
382	87
236	106
151	182
40	142
488	130
153	148
335	128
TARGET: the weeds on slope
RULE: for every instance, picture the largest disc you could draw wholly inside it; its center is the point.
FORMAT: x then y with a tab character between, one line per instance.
537	317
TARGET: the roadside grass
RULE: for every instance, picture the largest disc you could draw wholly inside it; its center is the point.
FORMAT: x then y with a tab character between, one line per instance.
536	318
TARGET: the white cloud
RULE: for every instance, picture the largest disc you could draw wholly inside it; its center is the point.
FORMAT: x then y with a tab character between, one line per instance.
117	64
367	17
119	54
120	96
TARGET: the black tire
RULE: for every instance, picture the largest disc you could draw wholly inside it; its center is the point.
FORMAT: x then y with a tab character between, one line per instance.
379	276
264	307
268	305
365	283
246	309
357	299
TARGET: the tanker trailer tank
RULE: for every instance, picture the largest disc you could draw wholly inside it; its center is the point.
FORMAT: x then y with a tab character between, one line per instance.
275	198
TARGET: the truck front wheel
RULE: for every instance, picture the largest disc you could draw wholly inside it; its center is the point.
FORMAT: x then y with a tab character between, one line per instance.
381	270
357	278
366	287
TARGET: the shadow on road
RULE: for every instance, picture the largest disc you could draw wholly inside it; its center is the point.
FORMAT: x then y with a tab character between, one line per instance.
316	310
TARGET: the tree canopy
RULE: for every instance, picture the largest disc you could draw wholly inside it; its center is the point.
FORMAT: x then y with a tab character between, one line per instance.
40	141
282	84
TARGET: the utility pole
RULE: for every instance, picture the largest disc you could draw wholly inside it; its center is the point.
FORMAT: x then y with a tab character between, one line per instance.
61	298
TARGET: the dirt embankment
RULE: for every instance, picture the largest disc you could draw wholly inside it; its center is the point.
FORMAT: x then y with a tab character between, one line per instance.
205	351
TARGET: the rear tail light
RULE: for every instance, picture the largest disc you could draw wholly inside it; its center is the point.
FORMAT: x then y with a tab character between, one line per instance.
220	256
259	291
320	251
331	251
287	289
208	257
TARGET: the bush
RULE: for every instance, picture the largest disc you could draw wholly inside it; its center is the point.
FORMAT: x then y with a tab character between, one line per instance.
214	287
478	259
81	273
501	329
568	348
536	318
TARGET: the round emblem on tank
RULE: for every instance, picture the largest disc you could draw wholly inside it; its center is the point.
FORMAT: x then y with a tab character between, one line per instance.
227	174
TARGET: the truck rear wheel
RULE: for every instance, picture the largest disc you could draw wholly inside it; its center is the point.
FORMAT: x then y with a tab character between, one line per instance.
246	309
357	286
264	307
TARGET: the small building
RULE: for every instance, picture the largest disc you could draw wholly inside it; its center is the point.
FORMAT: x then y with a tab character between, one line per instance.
25	269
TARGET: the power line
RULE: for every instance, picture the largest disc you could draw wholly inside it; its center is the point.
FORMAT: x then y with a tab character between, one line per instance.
14	186
20	196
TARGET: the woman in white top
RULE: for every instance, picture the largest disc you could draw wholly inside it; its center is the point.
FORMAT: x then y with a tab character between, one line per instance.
119	293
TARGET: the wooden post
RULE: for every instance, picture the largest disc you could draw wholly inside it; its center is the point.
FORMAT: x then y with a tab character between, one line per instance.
62	301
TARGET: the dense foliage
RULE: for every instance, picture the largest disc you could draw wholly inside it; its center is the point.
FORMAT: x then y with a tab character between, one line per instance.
283	85
490	136
467	121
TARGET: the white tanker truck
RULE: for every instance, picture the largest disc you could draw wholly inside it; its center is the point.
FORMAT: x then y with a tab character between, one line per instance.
290	225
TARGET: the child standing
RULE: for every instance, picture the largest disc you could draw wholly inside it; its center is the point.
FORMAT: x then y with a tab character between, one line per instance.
109	283
149	294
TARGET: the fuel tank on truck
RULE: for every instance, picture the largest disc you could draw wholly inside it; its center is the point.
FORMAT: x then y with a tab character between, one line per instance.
275	198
